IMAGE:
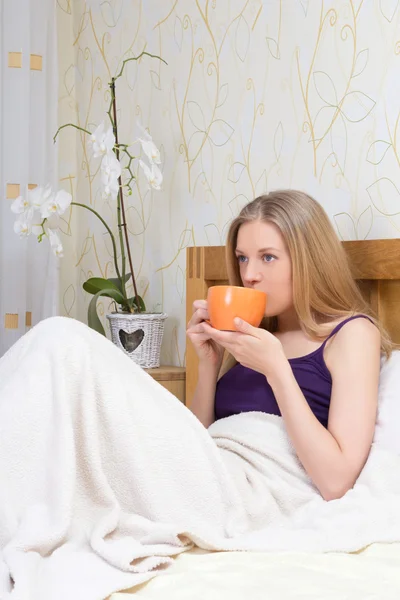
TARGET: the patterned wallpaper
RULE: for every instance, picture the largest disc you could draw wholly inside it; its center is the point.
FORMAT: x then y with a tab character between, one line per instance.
256	95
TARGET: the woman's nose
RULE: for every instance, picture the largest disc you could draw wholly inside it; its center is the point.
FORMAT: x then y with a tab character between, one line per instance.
252	273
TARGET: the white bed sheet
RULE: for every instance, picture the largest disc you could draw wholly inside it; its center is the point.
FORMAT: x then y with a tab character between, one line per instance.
373	574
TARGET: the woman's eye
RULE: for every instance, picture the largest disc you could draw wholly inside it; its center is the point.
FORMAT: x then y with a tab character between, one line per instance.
269	257
241	259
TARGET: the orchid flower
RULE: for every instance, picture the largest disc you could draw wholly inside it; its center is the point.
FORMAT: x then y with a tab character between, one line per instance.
110	173
21	205
39	196
55	243
102	141
153	175
23	225
56	204
149	147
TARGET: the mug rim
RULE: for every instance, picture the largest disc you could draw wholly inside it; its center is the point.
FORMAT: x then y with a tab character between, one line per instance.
237	287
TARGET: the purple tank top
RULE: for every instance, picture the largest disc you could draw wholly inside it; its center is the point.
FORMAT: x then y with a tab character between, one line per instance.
243	390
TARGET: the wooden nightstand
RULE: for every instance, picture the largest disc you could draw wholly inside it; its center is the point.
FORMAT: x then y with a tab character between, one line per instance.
172	378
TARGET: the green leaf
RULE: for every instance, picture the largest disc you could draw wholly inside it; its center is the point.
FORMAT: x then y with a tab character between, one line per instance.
117	281
133	302
96	284
93	318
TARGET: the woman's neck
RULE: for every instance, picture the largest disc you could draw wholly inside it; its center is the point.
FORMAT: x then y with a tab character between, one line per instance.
288	321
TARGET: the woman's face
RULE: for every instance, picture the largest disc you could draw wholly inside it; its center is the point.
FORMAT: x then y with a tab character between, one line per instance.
265	264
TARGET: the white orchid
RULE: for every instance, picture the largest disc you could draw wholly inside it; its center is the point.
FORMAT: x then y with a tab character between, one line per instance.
23	225
151	151
56	204
103	141
20	205
39	196
55	243
110	173
149	147
153	175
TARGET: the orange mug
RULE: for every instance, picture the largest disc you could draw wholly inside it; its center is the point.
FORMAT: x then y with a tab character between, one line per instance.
225	302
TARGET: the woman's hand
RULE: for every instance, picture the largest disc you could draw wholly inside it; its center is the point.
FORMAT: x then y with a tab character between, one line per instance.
252	347
209	351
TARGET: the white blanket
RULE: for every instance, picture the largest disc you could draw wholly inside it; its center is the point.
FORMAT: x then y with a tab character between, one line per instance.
105	476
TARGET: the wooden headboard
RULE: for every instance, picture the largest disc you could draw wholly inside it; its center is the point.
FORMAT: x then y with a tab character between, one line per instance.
375	265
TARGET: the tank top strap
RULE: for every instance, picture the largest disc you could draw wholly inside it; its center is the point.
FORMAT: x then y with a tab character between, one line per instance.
340	325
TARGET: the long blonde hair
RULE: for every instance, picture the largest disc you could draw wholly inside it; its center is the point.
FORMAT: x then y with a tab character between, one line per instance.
323	287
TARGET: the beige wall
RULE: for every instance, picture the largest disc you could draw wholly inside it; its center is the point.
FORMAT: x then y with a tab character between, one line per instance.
256	95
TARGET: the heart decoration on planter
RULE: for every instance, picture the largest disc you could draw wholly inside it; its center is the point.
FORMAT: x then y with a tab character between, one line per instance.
131	341
139	336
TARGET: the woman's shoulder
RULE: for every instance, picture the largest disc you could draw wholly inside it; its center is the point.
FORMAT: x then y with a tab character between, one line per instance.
355	322
351	334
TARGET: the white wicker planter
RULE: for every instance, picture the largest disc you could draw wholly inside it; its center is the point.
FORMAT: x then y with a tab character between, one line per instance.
139	335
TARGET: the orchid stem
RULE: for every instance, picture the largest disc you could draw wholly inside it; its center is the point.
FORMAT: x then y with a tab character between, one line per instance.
137	58
108	230
70	125
123	225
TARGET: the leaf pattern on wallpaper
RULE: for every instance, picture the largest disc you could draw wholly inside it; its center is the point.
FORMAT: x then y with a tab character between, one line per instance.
111	11
357	106
196	115
377	151
235	171
338	134
304	5
325	88
242	38
364	223
273	47
185	239
178	32
261	184
69	80
65	5
213	234
345	226
69	298
220	132
237	203
322	122
195	143
180	282
361	62
80	64
278	141
385	196
388	8
222	95
155	78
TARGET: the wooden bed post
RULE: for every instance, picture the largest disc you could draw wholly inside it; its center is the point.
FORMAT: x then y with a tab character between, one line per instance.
196	288
205	266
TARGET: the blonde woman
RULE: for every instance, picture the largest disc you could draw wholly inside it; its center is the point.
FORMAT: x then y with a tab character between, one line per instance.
316	359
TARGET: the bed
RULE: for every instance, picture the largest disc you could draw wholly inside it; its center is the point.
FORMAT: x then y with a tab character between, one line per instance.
373	573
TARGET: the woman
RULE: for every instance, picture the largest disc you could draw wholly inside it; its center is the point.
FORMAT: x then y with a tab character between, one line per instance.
317	359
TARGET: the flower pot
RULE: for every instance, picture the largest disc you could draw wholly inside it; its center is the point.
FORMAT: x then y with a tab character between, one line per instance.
139	335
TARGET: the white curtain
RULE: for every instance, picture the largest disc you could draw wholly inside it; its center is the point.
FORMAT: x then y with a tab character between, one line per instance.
28	121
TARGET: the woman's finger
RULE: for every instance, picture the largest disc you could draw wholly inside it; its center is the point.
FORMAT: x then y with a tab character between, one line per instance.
200	304
199	316
222	337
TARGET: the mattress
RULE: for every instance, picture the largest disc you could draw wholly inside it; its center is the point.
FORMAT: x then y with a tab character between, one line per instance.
371	574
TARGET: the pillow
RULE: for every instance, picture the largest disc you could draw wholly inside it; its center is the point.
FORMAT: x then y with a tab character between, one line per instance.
387	432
